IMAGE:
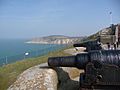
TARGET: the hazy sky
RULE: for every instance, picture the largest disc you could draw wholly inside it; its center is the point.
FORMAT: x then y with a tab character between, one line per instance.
36	18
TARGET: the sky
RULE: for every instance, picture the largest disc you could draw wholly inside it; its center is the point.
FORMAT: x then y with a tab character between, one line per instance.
38	18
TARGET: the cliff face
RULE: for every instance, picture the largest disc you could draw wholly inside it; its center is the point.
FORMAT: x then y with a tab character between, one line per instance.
55	40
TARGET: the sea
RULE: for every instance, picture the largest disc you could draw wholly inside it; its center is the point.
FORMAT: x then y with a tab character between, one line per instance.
12	50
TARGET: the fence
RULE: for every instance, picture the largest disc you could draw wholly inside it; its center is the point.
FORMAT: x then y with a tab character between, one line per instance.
25	55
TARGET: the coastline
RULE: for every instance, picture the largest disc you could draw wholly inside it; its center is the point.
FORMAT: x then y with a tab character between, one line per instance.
18	49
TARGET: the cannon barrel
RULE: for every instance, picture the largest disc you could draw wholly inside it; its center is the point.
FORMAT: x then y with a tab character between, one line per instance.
90	45
85	44
79	45
80	60
69	61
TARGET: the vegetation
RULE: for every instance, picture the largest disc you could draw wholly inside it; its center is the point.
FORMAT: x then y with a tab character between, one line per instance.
92	37
10	72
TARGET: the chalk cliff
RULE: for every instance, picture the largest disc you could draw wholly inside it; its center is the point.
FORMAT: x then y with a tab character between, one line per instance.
55	39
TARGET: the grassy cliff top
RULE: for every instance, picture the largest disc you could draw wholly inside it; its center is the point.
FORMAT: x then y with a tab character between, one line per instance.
10	72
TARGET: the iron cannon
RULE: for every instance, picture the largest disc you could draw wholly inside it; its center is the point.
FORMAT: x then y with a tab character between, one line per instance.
102	68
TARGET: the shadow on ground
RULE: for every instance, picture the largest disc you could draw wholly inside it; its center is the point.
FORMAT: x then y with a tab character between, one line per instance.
65	83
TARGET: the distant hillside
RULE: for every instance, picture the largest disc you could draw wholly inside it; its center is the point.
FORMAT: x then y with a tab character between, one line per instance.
104	31
60	39
56	39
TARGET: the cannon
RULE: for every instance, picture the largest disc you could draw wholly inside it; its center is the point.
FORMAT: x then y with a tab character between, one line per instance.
90	45
101	68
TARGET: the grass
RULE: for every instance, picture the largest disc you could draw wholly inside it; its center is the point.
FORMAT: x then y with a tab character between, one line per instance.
10	72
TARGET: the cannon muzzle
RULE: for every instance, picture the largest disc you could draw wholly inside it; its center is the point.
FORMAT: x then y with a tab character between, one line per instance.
67	61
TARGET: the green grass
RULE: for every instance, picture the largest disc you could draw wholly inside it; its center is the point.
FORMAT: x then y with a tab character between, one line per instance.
10	72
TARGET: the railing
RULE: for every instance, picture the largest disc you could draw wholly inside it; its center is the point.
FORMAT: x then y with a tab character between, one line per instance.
10	59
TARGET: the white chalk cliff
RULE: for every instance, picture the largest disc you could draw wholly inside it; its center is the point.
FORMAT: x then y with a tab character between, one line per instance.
55	39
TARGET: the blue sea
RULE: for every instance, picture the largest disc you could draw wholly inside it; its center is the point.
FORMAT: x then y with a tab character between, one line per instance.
12	50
